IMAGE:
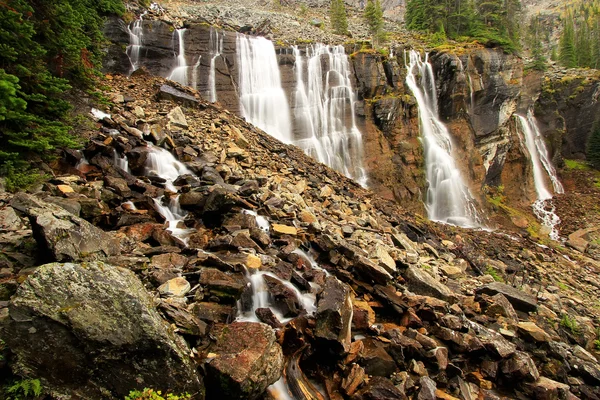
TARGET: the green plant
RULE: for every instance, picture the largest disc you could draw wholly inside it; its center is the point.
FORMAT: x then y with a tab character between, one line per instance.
151	394
493	273
576	165
570	324
337	16
24	389
593	147
562	286
373	14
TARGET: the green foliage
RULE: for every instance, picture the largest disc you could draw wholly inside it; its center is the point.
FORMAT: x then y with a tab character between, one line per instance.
593	147
337	15
570	324
493	22
536	35
576	165
493	273
373	14
579	44
24	389
45	48
151	394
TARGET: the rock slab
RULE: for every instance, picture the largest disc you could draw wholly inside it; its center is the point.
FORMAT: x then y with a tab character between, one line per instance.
91	331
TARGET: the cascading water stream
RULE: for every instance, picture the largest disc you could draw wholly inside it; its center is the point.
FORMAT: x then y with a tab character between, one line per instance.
136	35
180	72
324	110
121	161
216	48
163	164
262	100
538	154
448	199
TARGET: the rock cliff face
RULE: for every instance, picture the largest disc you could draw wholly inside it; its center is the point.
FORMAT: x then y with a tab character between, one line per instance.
480	91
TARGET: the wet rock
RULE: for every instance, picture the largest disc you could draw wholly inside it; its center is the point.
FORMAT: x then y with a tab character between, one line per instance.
185	321
520	367
67	237
265	315
421	282
363	315
353	379
226	287
285	299
87	319
334	314
519	299
248	360
493	341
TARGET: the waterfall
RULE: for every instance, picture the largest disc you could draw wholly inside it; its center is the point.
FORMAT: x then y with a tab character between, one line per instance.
136	34
324	110
121	161
538	154
162	163
195	68
180	72
216	48
448	199
262	100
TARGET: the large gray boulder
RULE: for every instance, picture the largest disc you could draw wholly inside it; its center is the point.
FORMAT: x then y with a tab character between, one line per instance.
65	236
91	331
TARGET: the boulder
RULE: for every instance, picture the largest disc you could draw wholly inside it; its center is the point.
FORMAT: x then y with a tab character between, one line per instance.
334	314
520	367
520	300
65	236
91	331
167	92
247	360
421	282
284	298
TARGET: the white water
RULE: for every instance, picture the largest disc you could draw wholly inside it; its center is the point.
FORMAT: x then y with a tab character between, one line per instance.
262	100
324	110
540	161
448	199
162	163
311	260
262	222
121	161
99	115
180	72
195	68
262	299
136	42
216	48
279	390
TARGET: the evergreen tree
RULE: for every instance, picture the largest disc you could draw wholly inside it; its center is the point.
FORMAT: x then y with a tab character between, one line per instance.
567	56
534	39
593	147
337	15
374	16
41	44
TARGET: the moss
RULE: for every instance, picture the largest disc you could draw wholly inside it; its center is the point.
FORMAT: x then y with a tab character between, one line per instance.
570	324
494	273
577	165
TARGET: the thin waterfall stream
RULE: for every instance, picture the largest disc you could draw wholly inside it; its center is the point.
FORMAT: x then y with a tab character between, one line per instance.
540	161
180	72
448	199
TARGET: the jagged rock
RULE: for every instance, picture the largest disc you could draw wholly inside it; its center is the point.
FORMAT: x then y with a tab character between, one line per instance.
213	312
385	260
334	314
532	332
375	360
226	287
167	92
379	388
493	341
353	379
248	359
520	367
284	229
284	298
421	282
177	287
186	322
363	315
177	118
265	315
502	306
371	271
428	388
9	220
67	237
547	389
519	299
87	319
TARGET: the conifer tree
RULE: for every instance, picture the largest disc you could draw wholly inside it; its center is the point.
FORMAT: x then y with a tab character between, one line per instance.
593	147
374	16
337	15
567	56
